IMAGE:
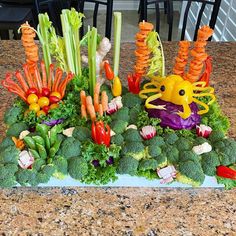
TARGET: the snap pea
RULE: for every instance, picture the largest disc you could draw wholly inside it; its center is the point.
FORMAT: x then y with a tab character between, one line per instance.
42	151
53	133
53	150
47	143
42	129
30	142
38	140
34	153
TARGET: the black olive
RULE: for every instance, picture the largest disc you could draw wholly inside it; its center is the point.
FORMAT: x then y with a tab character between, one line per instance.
181	92
162	88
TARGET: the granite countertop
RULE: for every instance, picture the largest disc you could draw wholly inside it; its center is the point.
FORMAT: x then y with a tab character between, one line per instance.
123	211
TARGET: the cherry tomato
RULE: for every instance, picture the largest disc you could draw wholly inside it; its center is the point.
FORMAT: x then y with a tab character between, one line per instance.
32	91
46	92
34	107
54	99
46	109
53	106
43	101
40	113
56	94
108	71
32	98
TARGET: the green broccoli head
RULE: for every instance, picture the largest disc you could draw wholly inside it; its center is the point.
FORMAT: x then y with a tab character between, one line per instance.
38	163
190	172
7	170
183	144
12	115
188	156
16	128
161	160
130	100
216	135
61	167
133	113
172	154
9	155
134	149
209	163
70	147
119	126
132	135
121	114
27	177
8	182
157	140
82	133
7	141
77	167
117	139
153	151
148	164
170	138
200	141
128	165
226	150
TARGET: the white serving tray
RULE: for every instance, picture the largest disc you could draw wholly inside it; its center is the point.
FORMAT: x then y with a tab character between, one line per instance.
130	181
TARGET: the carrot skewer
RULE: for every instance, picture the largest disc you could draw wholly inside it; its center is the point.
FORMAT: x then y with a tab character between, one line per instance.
58	77
21	80
50	77
28	76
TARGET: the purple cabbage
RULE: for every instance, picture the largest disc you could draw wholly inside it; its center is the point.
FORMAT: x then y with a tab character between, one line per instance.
170	119
110	161
53	122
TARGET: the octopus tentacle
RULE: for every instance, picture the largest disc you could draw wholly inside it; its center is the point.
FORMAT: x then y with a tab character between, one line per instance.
146	91
186	111
213	98
150	99
201	104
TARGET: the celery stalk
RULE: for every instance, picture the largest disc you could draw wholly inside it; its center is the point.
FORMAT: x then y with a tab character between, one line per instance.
92	47
117	37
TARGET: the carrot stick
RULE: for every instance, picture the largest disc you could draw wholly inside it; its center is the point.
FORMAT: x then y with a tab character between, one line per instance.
91	112
89	101
38	79
69	77
104	101
83	97
21	80
96	101
58	77
83	111
28	76
100	110
44	74
51	76
97	88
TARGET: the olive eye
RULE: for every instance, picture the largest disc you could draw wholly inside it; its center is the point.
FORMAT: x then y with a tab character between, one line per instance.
162	88
181	92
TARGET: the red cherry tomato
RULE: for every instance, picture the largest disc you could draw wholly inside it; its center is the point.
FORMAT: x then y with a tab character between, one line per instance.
54	99
108	71
45	92
46	109
32	91
56	94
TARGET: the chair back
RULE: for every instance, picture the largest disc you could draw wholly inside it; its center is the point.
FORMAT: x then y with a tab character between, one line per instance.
207	9
79	6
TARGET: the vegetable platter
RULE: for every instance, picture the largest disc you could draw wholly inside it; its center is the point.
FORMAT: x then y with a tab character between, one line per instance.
73	123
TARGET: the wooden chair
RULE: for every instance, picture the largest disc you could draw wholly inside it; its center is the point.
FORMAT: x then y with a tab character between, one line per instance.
79	5
170	13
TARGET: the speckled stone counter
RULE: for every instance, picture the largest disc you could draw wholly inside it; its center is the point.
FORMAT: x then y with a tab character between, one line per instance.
123	211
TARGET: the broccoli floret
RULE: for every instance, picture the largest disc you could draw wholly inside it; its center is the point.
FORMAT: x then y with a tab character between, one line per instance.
209	163
183	144
133	113
9	155
81	133
38	163
134	149
161	160
107	88
128	165
27	177
200	141
119	126
172	154
117	139
70	147
130	100
226	150
132	135
7	141
149	164
16	129
48	169
153	151
8	181
190	172
12	115
121	114
77	167
157	140
216	135
170	138
61	167
188	156
7	170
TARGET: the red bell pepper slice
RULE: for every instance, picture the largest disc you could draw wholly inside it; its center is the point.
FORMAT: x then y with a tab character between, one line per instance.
100	133
226	172
108	71
134	83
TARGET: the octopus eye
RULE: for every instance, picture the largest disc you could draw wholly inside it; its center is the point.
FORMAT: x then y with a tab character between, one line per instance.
181	92
162	88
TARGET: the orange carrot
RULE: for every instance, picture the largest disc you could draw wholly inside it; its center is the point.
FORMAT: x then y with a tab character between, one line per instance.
96	101
97	88
38	79
44	74
83	111
57	80
104	101
22	81
51	76
89	101
83	98
91	112
100	110
62	88
28	76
